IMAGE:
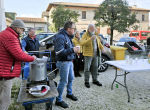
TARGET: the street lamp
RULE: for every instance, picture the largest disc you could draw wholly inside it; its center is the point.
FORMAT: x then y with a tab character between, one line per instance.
2	16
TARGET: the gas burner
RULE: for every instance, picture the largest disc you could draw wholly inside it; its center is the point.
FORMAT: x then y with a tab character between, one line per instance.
34	83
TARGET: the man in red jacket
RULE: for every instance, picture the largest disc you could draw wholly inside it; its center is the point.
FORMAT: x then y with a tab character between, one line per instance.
11	56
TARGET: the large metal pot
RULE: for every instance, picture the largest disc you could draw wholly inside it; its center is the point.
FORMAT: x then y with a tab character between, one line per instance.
38	70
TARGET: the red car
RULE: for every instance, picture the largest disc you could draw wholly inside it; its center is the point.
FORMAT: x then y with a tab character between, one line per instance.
140	35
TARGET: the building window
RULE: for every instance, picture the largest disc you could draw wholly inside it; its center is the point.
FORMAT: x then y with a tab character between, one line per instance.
83	14
143	18
39	28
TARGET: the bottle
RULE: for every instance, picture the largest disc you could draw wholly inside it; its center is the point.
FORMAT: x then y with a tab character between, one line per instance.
117	86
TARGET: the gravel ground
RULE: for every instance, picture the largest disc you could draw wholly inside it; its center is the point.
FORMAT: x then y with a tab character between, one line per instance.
103	98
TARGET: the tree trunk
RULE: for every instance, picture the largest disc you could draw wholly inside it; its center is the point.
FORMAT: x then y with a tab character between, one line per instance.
111	36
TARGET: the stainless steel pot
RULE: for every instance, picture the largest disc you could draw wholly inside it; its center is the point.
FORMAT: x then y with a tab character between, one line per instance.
38	70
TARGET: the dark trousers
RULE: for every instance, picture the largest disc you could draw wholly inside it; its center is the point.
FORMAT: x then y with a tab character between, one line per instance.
77	64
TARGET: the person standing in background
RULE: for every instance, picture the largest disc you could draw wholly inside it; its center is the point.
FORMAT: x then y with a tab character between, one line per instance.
29	43
91	49
77	60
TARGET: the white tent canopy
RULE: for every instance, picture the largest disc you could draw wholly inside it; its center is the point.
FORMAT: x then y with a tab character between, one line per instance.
2	16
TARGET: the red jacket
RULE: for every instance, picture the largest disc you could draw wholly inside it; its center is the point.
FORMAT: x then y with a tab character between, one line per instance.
10	50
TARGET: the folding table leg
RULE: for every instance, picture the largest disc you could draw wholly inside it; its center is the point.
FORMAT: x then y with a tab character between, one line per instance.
125	84
125	75
114	80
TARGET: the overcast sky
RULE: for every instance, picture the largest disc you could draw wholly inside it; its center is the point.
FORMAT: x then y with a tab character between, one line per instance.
34	8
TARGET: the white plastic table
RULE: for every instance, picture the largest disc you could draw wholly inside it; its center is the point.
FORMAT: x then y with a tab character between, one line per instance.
127	67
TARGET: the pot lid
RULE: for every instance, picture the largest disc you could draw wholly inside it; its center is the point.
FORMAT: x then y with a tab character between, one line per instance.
40	60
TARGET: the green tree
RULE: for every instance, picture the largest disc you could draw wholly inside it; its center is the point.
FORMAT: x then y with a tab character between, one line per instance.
52	28
116	14
135	27
60	15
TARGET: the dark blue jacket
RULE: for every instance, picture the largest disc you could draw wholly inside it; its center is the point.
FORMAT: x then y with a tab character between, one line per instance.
31	45
63	46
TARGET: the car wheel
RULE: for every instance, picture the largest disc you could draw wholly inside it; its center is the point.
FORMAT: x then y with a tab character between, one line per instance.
103	66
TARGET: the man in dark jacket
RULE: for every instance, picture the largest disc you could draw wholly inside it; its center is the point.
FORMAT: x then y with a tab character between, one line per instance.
29	43
11	56
65	53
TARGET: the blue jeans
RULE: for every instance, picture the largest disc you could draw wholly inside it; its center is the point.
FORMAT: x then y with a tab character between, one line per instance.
66	78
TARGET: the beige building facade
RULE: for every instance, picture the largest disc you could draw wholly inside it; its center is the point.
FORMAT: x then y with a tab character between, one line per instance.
39	24
87	12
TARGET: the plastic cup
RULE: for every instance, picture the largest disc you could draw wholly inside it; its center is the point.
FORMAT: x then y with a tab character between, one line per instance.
127	59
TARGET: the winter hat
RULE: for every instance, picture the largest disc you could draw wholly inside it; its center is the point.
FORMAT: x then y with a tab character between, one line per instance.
18	23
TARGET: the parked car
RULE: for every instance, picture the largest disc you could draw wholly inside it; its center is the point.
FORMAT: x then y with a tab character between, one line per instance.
105	56
125	38
42	36
140	35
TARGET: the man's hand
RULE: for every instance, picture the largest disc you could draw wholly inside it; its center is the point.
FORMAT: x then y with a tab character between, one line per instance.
93	37
34	57
76	49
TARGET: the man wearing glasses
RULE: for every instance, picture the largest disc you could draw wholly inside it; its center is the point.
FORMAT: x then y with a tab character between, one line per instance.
65	54
11	56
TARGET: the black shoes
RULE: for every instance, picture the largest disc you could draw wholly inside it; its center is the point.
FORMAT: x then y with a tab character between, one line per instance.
97	83
78	75
62	104
87	84
72	97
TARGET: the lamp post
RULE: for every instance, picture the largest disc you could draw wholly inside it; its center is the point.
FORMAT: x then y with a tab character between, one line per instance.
2	16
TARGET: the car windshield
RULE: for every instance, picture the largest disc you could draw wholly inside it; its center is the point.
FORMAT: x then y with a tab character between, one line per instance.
127	39
135	34
42	36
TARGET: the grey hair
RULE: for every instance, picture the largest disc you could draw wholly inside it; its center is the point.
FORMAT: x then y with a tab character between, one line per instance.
76	32
30	29
91	25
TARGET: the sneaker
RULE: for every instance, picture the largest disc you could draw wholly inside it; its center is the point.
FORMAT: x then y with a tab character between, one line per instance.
87	84
62	104
72	97
97	83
